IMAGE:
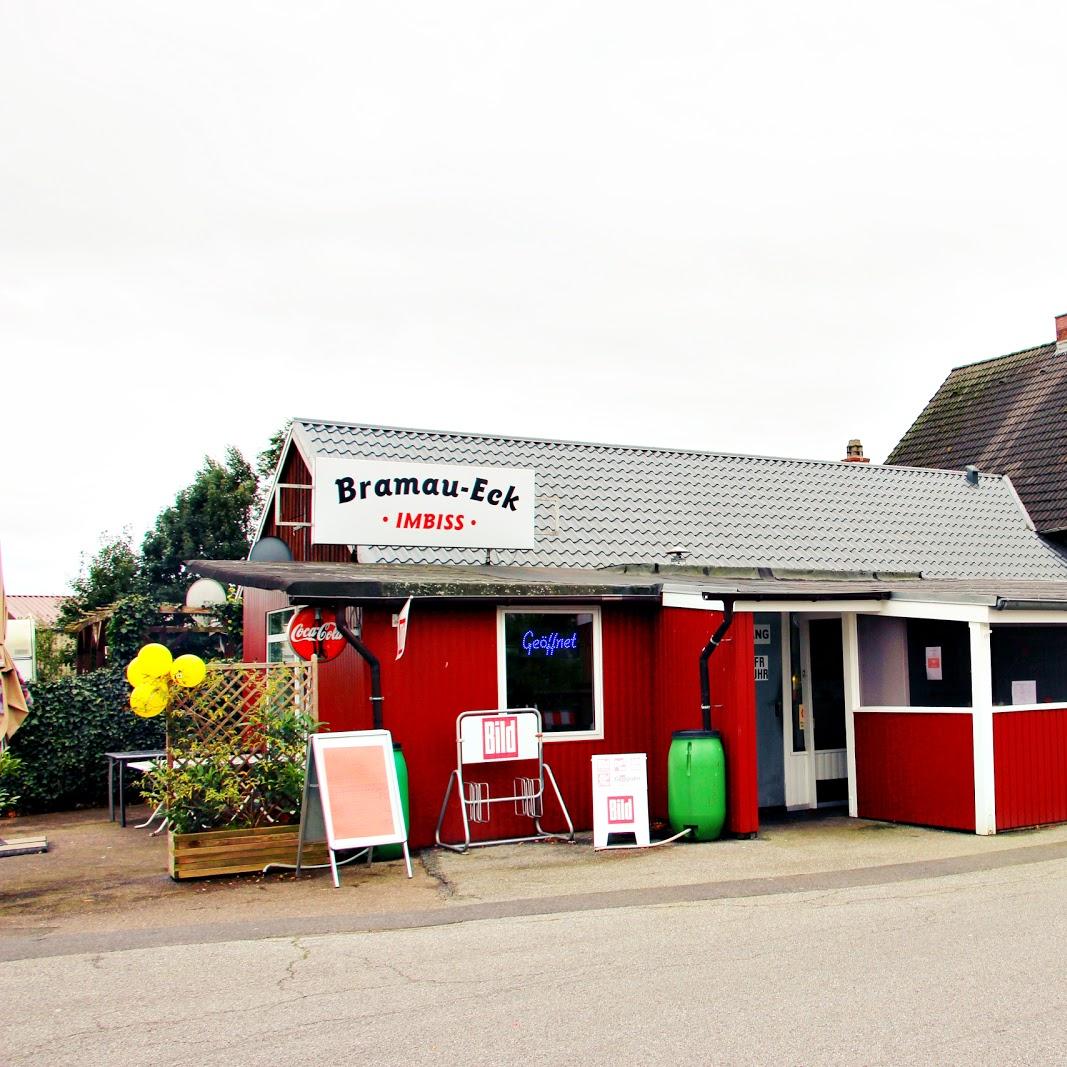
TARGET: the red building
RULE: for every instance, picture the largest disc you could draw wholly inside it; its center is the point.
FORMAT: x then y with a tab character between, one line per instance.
896	646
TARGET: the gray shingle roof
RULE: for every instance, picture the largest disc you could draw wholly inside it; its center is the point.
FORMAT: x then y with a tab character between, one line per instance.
621	504
1006	415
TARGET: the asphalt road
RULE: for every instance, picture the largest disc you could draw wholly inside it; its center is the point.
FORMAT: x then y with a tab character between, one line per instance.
967	968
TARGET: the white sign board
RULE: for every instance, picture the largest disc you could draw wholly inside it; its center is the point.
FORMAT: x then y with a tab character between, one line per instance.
763	668
356	777
385	502
620	797
762	633
498	736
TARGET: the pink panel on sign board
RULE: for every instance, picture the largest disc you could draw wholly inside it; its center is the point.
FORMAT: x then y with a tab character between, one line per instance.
359	792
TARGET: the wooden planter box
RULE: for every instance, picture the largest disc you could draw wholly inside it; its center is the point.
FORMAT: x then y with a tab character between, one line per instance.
238	851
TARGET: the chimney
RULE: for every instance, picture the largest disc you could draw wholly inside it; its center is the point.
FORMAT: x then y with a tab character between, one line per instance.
1061	334
854	452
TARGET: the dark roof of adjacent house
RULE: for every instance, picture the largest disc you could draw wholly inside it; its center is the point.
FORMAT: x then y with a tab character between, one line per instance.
604	505
1007	415
44	610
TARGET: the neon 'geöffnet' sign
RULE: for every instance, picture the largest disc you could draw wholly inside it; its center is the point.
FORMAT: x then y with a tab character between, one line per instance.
549	644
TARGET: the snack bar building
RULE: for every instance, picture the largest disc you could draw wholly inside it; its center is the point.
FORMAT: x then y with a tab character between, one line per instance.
898	640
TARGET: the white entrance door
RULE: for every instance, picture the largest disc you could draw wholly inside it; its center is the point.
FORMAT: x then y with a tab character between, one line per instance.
813	688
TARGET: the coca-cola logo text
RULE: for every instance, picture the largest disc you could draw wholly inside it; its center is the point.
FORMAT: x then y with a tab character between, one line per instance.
326	632
314	632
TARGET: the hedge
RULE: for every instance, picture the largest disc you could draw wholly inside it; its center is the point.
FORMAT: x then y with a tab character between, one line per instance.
62	742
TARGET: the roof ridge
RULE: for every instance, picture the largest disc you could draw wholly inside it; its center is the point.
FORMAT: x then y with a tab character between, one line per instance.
660	449
1006	355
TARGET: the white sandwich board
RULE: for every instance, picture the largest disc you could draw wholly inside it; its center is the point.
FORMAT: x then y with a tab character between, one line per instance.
352	795
620	797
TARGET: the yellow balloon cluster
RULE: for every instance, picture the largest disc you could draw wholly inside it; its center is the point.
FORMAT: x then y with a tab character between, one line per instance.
154	671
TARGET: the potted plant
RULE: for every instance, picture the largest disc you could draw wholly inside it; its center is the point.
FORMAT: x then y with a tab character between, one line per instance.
231	786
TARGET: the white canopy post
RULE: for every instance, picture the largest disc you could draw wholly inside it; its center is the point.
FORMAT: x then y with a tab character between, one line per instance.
985	803
850	650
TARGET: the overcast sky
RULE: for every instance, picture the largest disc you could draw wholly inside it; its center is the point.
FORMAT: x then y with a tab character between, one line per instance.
747	227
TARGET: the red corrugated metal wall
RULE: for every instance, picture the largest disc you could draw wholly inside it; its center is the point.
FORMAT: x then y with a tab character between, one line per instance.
915	767
257	602
651	687
450	666
294	505
681	634
1030	760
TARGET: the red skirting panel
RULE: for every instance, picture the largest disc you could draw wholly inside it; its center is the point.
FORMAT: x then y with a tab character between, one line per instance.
915	767
1030	758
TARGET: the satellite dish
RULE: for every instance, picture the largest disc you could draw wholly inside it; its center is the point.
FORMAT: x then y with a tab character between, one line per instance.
270	550
204	592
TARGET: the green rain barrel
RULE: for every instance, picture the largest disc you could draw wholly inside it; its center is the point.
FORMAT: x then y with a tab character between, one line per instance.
395	852
696	783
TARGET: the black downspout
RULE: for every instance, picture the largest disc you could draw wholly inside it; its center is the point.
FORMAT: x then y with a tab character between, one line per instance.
705	655
371	660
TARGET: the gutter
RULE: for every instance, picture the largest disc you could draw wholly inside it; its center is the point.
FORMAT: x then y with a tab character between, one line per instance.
1008	604
705	655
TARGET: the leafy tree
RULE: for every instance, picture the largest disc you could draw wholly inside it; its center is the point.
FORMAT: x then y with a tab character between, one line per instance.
114	572
267	460
209	519
267	464
127	629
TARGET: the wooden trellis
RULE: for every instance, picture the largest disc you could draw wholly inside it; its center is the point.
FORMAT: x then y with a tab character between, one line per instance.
229	756
235	696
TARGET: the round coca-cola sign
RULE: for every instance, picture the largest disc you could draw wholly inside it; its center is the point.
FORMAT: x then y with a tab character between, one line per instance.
313	632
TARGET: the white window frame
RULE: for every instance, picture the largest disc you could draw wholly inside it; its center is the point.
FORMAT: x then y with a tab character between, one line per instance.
597	732
288	655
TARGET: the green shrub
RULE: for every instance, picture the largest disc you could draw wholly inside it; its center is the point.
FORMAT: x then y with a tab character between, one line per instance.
235	774
62	742
9	766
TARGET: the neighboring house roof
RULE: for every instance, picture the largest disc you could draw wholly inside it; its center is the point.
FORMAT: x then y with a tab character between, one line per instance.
1007	415
621	504
44	610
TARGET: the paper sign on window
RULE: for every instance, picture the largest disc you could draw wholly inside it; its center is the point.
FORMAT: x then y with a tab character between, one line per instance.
1024	692
763	668
933	663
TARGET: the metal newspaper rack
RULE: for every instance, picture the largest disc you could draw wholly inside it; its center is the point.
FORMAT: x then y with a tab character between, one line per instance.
487	737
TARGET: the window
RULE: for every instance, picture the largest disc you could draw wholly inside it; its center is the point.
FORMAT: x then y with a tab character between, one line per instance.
550	659
945	680
917	663
278	648
1029	664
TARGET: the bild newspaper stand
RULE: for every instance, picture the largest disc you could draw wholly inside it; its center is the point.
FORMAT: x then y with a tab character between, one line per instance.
488	737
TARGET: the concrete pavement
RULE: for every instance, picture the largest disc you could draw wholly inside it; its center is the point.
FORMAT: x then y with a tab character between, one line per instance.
960	968
103	888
